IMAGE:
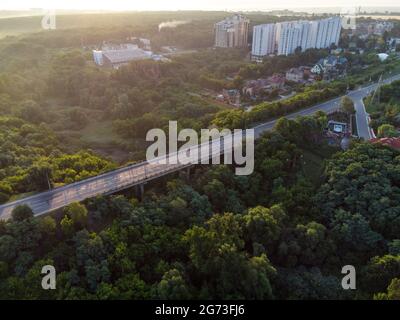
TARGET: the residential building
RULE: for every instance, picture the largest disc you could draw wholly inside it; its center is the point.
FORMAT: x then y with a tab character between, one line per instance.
327	32
264	38
393	143
289	37
232	32
330	67
285	38
318	69
378	27
253	88
299	75
276	81
337	127
231	96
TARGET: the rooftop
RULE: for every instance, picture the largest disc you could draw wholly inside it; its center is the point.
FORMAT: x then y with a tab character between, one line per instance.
390	142
125	55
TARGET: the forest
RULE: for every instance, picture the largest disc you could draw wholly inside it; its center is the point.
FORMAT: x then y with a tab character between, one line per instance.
287	230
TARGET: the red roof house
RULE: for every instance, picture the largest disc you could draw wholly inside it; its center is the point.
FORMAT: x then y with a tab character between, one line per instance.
390	142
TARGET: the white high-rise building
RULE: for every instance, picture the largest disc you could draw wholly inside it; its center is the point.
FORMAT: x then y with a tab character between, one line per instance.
327	32
232	32
293	35
264	41
289	37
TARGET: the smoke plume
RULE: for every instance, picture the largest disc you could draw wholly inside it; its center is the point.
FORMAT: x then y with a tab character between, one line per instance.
171	24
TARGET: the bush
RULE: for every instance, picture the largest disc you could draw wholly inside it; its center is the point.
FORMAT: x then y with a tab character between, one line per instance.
21	213
3	197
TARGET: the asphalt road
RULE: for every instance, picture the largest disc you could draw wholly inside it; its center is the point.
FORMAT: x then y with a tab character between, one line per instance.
362	117
123	178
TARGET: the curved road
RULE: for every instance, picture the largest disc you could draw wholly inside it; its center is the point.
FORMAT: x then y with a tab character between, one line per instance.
140	173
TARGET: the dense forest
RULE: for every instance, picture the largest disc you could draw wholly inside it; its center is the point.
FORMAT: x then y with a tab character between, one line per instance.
287	230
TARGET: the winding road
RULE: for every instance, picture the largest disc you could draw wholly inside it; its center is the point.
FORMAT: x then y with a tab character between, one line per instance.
143	172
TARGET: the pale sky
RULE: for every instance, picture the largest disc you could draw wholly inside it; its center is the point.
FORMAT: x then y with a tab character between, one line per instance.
189	4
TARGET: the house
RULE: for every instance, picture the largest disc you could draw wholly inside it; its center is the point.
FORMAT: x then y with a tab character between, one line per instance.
393	41
253	88
231	96
332	62
336	51
276	81
337	127
393	143
330	67
318	69
299	75
377	27
295	75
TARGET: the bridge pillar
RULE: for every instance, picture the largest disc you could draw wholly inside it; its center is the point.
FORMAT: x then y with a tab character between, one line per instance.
188	173
140	191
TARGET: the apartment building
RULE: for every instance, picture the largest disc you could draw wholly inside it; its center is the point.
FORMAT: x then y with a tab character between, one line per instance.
232	32
285	38
264	38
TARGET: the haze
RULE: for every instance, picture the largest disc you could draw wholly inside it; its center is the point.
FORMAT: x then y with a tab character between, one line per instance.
247	5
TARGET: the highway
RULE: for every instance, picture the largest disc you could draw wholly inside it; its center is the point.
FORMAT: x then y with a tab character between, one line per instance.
143	172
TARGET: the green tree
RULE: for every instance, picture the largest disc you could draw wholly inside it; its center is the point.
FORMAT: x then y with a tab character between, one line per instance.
173	286
48	226
387	131
77	212
21	212
67	226
347	105
264	225
393	291
378	273
217	254
40	175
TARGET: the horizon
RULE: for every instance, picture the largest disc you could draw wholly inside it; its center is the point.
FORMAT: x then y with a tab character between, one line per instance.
205	5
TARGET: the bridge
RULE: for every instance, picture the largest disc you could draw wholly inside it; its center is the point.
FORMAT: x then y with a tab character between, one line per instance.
141	173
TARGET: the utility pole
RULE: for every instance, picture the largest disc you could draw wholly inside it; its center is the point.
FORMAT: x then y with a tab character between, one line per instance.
377	91
48	180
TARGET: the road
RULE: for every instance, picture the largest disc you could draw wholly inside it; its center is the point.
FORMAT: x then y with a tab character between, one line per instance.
362	117
143	172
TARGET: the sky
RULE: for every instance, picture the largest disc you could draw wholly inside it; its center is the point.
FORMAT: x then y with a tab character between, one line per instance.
248	5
